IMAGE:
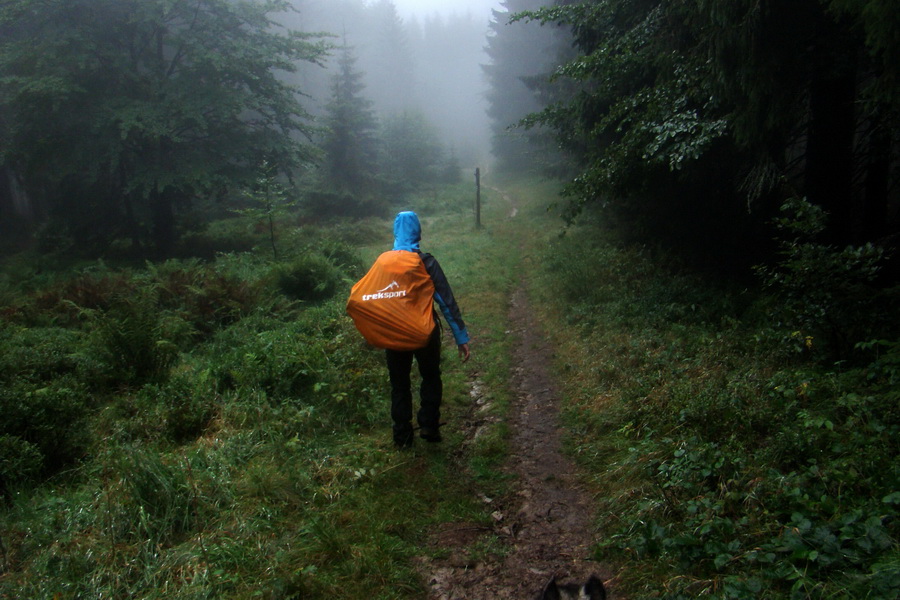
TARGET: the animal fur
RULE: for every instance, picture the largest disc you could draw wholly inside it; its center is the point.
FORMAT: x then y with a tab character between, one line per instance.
591	590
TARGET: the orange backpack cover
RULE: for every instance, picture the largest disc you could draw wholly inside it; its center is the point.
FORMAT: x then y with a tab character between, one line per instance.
392	305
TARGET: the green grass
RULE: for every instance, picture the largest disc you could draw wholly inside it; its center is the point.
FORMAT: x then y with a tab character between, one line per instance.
253	456
729	461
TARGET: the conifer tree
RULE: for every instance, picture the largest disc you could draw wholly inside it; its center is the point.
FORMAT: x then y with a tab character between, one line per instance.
689	114
123	112
520	53
388	61
350	142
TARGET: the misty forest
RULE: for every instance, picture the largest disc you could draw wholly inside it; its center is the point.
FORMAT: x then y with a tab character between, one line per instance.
697	204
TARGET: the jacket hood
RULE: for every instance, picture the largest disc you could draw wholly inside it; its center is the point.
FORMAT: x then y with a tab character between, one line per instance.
407	231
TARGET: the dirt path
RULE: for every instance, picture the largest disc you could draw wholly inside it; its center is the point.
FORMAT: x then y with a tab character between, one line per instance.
546	520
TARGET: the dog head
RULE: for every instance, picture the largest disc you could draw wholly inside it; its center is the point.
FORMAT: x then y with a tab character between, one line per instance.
591	590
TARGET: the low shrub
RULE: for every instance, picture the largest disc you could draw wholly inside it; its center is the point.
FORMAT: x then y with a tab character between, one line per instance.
828	296
221	236
133	341
39	355
325	204
269	355
310	277
65	302
205	296
21	462
177	411
50	418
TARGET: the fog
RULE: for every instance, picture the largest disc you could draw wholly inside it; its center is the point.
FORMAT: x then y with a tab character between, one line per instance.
414	55
422	8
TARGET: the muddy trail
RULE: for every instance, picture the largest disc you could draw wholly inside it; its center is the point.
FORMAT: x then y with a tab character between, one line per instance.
546	519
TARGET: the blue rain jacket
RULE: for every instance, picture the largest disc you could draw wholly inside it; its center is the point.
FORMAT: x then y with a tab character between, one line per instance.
407	235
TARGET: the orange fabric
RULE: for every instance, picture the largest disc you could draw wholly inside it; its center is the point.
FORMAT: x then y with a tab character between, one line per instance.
392	305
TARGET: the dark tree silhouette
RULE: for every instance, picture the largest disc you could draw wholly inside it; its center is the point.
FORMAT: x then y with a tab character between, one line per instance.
122	112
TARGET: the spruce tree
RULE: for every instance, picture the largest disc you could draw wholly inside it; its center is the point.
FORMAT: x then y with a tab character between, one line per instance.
520	53
350	142
124	112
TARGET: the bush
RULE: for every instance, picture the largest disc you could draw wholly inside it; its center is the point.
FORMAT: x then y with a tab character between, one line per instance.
176	411
268	355
67	302
310	277
829	296
39	355
224	235
207	297
325	204
50	418
133	340
20	462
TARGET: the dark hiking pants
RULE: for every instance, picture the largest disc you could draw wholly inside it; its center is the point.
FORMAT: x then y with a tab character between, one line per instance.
399	365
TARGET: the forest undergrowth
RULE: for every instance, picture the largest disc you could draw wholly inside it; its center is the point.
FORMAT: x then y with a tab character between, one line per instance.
217	429
742	439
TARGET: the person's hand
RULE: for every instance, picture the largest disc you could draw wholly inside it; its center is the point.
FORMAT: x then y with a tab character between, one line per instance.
463	352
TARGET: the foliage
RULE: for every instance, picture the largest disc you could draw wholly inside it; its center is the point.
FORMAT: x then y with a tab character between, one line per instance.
259	461
46	424
411	151
20	461
134	342
177	411
350	143
751	466
519	54
829	297
311	277
708	109
122	112
268	202
44	400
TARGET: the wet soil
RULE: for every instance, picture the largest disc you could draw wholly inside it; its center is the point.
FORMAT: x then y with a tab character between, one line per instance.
545	524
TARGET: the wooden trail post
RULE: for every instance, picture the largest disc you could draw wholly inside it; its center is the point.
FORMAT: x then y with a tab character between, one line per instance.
478	198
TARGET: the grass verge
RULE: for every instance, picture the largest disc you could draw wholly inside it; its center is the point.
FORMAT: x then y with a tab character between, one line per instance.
730	460
251	456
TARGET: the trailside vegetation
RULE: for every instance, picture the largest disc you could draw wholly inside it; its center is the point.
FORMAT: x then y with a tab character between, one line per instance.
217	428
741	444
742	433
692	123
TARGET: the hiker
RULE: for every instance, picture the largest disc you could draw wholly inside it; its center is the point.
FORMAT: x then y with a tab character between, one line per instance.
407	234
400	317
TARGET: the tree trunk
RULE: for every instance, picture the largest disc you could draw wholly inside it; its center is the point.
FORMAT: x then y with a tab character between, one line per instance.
14	202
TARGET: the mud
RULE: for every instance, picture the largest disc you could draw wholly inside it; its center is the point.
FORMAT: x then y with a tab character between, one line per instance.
545	524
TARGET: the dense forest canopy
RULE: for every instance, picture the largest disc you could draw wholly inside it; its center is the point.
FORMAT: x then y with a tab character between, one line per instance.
689	116
691	122
140	120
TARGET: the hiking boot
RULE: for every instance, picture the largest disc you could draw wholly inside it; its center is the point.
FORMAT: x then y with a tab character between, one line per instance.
430	434
403	437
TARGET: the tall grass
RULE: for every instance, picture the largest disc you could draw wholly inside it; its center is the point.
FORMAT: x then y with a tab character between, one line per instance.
730	460
219	430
